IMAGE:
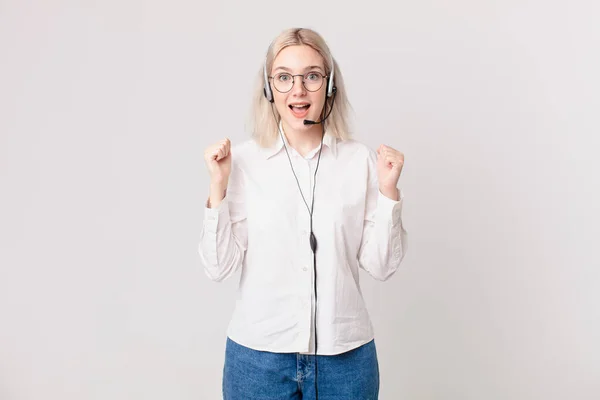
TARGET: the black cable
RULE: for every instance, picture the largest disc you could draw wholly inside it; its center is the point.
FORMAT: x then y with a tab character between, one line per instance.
313	240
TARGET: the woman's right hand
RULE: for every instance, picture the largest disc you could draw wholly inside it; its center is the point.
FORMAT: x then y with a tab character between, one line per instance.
218	161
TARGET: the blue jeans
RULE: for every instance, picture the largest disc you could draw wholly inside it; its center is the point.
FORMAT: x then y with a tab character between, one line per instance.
251	375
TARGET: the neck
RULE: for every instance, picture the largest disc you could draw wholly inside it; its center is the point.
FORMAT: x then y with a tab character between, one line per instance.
304	140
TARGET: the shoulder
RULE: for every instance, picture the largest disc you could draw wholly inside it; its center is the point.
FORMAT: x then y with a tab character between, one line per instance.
356	150
244	147
245	152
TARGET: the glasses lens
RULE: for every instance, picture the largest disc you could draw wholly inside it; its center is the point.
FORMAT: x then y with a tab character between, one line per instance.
313	81
283	82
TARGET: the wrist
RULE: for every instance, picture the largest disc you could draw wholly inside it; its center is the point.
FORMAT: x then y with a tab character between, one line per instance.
218	187
216	194
390	192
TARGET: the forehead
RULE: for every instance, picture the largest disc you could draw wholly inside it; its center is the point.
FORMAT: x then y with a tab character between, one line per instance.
298	58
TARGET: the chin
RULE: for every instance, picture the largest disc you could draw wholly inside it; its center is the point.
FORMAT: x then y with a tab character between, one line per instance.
297	124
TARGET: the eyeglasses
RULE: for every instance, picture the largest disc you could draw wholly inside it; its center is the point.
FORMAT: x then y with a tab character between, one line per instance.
284	82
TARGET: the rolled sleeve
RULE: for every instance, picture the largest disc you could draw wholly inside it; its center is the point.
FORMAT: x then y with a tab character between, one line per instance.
224	234
384	237
390	211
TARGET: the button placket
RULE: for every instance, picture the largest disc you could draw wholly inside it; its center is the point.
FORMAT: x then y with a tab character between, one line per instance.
304	173
304	179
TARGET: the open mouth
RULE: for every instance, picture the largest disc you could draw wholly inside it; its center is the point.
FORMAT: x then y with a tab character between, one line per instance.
300	109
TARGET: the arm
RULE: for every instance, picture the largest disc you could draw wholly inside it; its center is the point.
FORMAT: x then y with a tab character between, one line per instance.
384	239
224	235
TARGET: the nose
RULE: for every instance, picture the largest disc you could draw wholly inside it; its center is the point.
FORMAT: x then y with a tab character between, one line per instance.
298	88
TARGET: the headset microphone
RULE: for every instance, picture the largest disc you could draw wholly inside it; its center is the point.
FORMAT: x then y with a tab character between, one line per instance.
309	122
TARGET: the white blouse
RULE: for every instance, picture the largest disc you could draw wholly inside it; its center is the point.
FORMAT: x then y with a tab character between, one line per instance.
262	227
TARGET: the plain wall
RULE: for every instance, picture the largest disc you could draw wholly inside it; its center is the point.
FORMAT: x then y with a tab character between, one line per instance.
105	111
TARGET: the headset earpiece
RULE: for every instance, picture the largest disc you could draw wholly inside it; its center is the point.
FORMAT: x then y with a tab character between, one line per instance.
330	83
267	89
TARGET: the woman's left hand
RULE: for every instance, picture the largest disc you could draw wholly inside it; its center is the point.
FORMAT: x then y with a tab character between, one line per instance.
389	167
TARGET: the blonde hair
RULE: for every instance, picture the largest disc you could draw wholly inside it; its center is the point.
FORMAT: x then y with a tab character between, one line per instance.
264	117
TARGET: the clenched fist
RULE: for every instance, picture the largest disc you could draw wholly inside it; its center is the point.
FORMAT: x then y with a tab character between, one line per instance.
389	167
218	161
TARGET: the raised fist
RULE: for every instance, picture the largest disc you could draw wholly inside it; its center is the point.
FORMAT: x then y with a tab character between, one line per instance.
218	161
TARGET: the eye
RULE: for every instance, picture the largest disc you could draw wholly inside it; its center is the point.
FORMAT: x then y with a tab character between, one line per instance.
284	77
313	76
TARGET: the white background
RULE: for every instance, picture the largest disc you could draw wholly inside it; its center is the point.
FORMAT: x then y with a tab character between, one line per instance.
106	108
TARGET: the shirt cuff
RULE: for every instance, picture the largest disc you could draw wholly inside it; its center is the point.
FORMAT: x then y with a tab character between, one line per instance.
212	216
390	209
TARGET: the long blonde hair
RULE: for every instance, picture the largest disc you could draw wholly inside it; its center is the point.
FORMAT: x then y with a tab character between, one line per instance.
263	123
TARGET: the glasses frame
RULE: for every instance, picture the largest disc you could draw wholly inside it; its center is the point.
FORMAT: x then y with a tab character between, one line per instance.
324	78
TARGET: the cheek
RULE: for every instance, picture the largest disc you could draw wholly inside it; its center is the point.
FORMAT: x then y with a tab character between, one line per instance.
280	103
318	100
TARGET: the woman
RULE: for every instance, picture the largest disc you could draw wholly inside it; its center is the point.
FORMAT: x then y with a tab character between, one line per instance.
298	209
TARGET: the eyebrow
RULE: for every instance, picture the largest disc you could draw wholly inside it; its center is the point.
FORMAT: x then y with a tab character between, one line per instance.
307	68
